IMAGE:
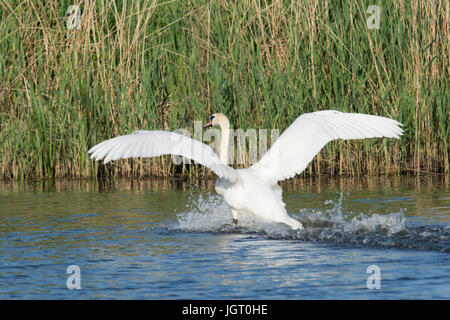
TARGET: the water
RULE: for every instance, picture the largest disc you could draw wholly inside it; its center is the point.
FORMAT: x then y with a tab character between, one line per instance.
157	239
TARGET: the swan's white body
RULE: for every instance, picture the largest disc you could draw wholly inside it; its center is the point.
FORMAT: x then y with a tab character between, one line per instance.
255	191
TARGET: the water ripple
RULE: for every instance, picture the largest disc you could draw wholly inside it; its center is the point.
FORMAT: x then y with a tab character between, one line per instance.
332	225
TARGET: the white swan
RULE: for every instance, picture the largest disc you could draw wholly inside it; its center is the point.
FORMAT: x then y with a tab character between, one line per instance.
254	190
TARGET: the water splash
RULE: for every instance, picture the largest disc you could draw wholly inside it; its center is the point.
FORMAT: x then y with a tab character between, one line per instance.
330	224
212	214
333	221
205	214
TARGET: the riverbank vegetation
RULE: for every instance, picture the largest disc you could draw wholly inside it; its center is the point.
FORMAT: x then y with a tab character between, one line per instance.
165	64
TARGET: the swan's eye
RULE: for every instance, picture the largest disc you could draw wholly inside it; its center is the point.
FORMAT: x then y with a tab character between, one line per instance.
211	117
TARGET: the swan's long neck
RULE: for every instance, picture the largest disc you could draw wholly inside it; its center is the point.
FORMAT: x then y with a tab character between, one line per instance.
224	139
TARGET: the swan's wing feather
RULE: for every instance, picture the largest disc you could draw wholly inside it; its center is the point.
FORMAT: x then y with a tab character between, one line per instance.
309	133
156	143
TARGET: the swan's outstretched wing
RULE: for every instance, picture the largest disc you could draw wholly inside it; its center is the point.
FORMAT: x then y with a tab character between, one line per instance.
309	133
156	143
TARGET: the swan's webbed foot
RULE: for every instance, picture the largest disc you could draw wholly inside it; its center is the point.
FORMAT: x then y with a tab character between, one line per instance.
235	221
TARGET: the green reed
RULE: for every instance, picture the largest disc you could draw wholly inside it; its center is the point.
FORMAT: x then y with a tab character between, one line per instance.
163	64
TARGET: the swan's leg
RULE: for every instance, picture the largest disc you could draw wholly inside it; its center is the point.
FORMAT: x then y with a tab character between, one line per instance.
234	213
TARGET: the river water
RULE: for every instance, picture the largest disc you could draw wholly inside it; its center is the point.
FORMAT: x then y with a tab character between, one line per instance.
365	238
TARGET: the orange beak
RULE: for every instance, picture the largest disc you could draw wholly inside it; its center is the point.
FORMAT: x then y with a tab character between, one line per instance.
209	124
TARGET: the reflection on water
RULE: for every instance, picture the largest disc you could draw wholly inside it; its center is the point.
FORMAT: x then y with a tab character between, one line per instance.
316	184
173	239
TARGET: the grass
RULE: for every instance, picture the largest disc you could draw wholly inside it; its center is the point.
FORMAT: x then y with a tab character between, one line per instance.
163	64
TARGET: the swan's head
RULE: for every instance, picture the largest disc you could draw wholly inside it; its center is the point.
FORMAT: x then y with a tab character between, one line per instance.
216	119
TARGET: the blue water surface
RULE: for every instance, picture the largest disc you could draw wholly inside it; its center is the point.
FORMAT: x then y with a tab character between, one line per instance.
164	240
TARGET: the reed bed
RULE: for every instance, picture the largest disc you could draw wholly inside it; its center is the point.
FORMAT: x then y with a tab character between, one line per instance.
164	64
